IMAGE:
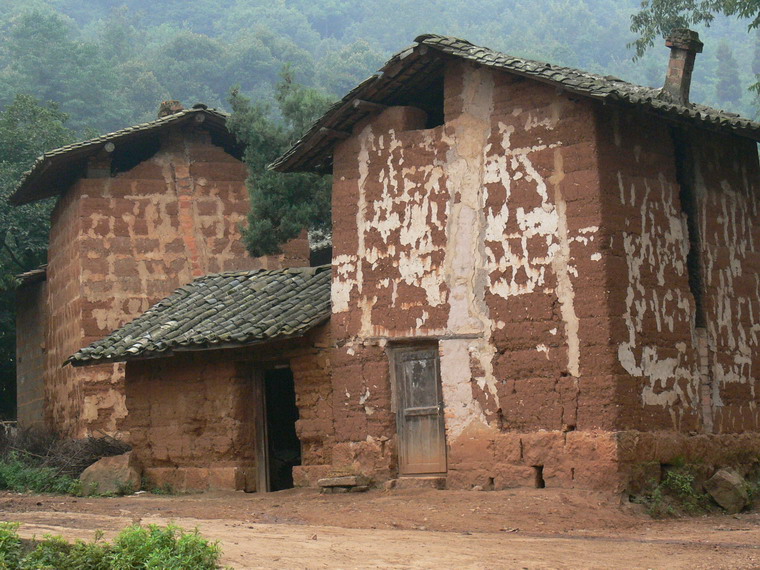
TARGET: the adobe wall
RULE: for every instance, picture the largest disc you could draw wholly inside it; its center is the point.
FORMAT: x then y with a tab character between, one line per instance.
651	305
482	234
728	191
120	244
191	421
541	241
31	315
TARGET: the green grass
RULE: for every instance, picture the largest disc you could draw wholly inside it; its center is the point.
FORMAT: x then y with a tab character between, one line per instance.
21	476
676	495
151	547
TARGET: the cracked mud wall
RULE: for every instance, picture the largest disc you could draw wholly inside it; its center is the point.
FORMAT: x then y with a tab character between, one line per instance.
120	244
728	188
482	234
660	384
651	305
542	242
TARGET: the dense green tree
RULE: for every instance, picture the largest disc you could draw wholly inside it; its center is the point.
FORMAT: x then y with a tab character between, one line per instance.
344	67
282	205
27	129
44	59
658	17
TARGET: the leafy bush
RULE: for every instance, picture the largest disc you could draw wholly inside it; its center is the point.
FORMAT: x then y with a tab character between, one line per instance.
135	547
10	545
675	495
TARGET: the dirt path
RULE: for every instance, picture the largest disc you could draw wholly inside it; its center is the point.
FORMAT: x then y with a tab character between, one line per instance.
413	529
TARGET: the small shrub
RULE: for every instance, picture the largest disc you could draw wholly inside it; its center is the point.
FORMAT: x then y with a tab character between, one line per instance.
156	547
10	546
165	489
135	547
675	495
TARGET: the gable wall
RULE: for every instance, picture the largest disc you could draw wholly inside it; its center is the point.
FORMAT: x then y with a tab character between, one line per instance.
481	234
125	243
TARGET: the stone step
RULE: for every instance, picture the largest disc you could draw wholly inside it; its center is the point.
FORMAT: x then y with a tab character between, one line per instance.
421	482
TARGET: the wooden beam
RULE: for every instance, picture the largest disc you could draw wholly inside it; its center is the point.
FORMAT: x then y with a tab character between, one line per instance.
332	133
369	106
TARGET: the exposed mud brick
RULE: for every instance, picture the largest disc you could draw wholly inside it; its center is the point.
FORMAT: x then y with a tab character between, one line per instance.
308	475
31	319
473	448
470	478
226	478
599	476
508	476
543	447
129	244
508	448
533	403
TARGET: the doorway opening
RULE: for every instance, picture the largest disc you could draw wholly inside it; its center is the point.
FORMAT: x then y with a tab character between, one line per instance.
283	445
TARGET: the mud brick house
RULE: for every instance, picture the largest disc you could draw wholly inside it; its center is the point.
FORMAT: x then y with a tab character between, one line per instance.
139	212
540	276
227	379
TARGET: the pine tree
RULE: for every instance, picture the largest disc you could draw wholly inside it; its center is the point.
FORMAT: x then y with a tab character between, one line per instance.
282	205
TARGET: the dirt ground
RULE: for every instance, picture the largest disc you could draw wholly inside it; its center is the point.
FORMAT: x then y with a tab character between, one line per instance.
521	528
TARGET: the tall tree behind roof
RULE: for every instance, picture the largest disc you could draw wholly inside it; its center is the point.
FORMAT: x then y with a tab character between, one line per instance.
27	128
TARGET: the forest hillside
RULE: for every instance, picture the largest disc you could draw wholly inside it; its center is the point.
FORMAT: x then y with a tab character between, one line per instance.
72	69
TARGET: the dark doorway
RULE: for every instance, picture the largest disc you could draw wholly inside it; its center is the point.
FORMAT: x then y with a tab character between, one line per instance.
283	445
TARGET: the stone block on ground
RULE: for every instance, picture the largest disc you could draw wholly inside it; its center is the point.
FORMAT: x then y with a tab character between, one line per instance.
113	474
728	489
344	481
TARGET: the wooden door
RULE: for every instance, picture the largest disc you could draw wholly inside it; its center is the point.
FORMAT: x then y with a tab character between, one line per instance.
419	413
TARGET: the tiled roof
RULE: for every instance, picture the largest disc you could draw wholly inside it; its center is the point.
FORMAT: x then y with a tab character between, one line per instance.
221	310
407	75
52	172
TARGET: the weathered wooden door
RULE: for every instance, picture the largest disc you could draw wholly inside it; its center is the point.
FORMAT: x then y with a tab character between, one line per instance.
419	413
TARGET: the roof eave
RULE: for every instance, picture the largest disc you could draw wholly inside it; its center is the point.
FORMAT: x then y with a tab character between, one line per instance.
300	157
27	190
204	347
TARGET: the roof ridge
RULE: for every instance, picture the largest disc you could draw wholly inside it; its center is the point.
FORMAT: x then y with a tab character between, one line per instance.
313	151
42	163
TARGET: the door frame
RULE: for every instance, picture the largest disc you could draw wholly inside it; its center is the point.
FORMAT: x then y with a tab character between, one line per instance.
393	352
261	440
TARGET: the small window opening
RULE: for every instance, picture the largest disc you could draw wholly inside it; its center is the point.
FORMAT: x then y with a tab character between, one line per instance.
125	159
428	96
538	474
322	256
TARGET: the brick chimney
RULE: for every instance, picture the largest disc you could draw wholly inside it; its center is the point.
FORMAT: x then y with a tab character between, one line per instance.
684	46
169	108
